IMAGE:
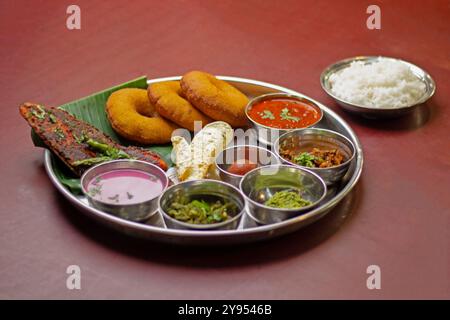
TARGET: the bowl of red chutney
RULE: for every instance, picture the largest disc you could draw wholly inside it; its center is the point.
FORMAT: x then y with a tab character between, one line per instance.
274	114
128	189
234	162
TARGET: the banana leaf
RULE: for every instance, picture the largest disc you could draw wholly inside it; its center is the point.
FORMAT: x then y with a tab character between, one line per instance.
91	109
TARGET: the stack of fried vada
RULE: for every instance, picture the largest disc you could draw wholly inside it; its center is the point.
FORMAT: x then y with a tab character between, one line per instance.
169	102
150	117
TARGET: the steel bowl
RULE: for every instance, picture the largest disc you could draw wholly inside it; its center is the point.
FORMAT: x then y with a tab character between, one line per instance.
255	154
268	135
200	189
261	183
136	211
303	140
372	112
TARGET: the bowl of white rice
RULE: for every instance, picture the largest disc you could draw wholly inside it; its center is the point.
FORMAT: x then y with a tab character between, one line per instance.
377	87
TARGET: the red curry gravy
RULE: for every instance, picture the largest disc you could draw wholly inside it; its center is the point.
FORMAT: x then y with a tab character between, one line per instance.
284	114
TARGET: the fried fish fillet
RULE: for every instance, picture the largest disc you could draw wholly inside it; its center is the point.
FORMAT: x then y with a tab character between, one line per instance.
72	140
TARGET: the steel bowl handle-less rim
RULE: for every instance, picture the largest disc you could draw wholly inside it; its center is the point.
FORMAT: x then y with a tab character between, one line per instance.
280	95
276	146
342	64
121	164
224	151
167	234
206	226
315	175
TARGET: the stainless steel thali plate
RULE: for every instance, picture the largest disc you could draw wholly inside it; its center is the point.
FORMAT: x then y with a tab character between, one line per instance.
247	231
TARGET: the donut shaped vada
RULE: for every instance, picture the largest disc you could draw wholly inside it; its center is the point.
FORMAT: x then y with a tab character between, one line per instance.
133	117
215	98
168	102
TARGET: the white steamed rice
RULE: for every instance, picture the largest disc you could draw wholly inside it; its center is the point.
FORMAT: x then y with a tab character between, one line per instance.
382	84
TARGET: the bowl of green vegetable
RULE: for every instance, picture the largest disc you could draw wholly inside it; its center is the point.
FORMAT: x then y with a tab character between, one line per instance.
202	205
279	192
324	152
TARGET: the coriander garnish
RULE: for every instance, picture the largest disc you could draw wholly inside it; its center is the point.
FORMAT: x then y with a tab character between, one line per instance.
80	139
114	198
52	118
305	159
59	133
285	115
267	114
40	114
95	191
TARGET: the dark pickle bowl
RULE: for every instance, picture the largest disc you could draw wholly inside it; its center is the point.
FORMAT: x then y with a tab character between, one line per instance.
303	140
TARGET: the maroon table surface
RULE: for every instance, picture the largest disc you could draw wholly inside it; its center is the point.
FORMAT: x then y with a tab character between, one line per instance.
397	217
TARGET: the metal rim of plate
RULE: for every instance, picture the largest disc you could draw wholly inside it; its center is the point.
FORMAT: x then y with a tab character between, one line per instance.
225	237
420	73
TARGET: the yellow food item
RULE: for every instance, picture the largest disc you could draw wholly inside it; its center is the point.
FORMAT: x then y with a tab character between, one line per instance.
133	117
167	99
183	157
215	98
193	161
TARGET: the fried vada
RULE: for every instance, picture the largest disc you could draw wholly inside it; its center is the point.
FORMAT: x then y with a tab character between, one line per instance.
168	102
133	117
215	98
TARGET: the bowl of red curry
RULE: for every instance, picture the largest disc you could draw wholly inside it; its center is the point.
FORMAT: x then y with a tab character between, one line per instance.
236	161
274	114
325	152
